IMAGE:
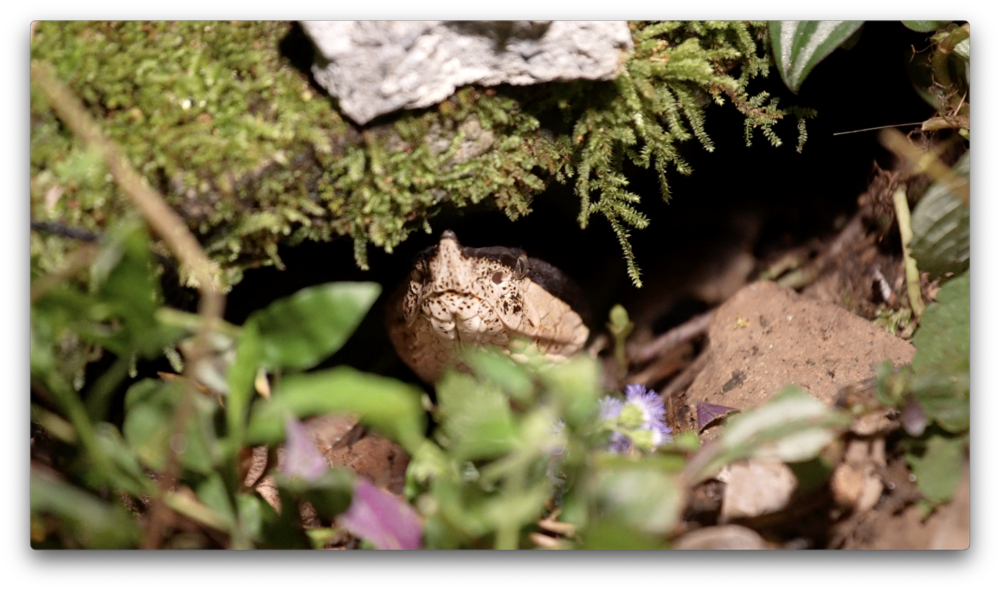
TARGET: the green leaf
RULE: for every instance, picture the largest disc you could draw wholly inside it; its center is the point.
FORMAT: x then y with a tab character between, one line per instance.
83	518
476	417
937	463
941	364
212	494
251	514
640	495
241	377
792	427
129	475
941	227
150	406
299	331
575	384
925	26
496	367
943	398
330	494
800	45
615	536
942	341
391	406
962	50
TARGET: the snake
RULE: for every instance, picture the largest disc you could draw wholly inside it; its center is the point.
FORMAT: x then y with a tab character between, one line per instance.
457	297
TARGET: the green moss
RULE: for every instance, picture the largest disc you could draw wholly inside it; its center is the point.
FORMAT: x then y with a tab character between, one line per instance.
236	139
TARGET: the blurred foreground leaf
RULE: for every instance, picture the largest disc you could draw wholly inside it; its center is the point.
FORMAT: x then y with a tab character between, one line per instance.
792	427
299	331
382	519
941	364
150	406
937	463
642	495
84	521
390	406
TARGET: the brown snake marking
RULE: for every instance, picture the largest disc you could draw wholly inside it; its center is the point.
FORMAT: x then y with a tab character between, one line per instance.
457	296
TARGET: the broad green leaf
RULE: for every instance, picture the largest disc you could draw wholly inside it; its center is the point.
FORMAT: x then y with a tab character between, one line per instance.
83	518
330	494
299	331
943	398
941	227
610	535
211	492
942	341
127	290
150	406
251	513
792	427
241	377
641	495
129	475
496	367
940	384
937	463
576	385
799	45
925	26
475	416
388	405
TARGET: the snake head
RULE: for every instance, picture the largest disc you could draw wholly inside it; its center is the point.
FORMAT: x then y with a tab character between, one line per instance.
457	296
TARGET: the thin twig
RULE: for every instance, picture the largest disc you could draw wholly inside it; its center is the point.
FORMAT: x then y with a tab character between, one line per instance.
877	128
686	378
802	277
687	331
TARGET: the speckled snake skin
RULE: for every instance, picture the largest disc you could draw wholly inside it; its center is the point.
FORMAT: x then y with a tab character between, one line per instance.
457	296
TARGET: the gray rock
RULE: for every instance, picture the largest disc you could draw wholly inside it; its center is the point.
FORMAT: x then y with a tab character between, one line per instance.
376	67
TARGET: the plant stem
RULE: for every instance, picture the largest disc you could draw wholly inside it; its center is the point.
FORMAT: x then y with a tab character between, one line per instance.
906	234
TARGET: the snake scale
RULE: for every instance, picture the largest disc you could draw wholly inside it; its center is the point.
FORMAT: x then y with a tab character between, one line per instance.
457	296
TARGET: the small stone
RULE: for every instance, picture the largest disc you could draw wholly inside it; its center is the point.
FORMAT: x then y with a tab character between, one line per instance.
376	67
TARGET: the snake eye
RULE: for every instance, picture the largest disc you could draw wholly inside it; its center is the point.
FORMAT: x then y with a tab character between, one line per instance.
418	274
521	269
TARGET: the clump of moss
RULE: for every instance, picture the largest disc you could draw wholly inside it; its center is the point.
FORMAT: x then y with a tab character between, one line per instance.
252	157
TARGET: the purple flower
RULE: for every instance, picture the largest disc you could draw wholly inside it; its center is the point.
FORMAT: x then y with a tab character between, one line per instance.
653	412
301	457
381	518
649	407
610	407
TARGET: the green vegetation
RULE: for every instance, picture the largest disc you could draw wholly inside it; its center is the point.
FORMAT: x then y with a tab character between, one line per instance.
217	120
508	439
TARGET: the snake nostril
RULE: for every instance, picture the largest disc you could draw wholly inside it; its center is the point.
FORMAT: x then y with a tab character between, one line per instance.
497	277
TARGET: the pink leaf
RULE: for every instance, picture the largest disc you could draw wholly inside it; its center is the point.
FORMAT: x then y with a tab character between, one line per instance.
708	412
301	457
381	518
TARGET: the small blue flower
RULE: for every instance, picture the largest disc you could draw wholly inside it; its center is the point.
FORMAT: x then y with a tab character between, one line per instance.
645	412
610	407
653	412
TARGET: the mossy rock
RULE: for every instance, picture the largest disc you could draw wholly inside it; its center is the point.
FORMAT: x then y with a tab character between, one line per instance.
252	156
